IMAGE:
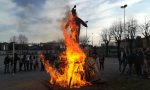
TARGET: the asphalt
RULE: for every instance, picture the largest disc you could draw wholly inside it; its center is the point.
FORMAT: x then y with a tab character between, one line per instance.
38	80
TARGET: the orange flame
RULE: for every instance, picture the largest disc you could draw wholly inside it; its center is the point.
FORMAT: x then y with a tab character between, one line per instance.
71	73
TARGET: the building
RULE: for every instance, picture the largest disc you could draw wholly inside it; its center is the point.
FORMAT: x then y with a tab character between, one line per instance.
31	48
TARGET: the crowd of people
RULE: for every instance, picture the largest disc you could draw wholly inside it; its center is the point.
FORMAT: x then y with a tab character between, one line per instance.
137	61
32	62
94	64
21	63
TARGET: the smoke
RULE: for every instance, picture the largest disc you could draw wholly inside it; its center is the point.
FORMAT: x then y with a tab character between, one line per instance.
40	20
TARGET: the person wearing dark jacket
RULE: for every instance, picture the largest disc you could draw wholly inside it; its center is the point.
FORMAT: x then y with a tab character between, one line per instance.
102	59
6	63
31	62
20	63
140	62
16	58
24	62
124	61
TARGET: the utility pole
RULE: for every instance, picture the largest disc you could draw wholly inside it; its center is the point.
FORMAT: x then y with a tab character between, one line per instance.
92	39
124	6
86	29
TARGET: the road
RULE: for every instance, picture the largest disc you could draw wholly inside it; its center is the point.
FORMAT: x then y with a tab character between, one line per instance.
37	80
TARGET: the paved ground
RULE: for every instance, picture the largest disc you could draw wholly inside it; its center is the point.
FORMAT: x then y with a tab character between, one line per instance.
111	69
23	81
37	80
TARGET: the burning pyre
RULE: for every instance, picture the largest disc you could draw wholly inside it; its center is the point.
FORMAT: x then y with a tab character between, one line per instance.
72	73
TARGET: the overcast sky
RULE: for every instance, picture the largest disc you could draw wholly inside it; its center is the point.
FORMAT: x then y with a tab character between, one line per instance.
40	20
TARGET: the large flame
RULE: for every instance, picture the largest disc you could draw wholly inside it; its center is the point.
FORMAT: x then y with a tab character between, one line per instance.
71	73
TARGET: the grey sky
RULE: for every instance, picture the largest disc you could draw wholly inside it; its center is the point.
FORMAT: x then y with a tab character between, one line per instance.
40	20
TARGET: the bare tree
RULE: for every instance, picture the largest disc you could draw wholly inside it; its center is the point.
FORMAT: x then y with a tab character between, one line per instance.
106	37
131	31
145	28
84	40
13	39
22	39
117	31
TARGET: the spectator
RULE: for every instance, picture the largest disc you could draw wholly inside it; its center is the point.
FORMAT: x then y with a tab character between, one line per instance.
141	57
145	66
34	62
6	63
16	58
27	62
102	58
148	58
131	59
139	62
120	54
42	66
11	64
37	62
31	62
24	62
124	60
20	63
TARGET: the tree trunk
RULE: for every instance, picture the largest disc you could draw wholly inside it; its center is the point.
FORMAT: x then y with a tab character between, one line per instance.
107	50
118	49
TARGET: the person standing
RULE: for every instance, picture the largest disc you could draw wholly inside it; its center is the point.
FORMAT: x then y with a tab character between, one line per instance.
119	59
24	62
15	62
20	63
6	63
27	62
34	62
102	59
31	62
124	61
42	66
11	64
141	62
145	66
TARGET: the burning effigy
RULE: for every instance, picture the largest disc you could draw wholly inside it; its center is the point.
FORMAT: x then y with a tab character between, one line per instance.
71	72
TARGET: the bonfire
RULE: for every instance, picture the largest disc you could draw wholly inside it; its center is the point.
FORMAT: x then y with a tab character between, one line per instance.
71	73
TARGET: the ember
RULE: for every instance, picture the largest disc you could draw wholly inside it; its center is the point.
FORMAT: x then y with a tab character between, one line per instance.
71	74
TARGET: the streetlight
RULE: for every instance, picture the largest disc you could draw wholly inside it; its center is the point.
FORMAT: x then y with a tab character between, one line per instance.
92	39
124	6
86	29
13	52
